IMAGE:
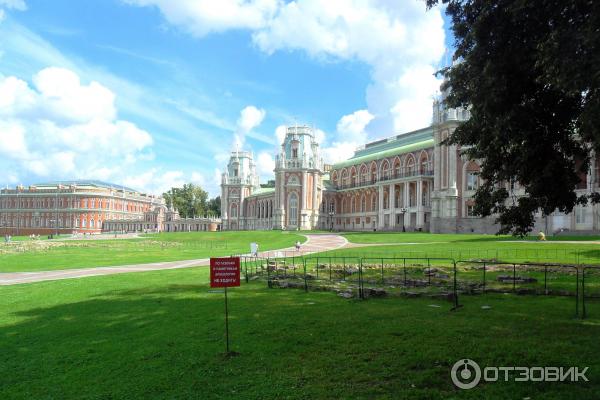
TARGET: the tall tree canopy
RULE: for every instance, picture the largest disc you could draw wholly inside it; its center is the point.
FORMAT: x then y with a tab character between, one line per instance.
530	72
214	206
190	200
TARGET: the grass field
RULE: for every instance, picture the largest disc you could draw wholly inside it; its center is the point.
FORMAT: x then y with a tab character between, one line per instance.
52	255
161	335
462	247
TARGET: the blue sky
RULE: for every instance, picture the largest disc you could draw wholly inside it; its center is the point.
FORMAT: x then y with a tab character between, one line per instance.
154	93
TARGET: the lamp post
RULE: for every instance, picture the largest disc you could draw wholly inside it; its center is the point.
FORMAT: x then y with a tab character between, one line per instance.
18	211
56	210
331	213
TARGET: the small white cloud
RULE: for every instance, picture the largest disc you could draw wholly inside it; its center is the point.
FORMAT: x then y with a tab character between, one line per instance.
280	134
351	127
350	134
250	118
265	165
14	4
197	178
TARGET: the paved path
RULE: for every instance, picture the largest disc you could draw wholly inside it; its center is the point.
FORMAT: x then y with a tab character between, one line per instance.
314	244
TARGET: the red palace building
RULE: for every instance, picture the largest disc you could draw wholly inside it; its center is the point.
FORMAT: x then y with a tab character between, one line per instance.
69	207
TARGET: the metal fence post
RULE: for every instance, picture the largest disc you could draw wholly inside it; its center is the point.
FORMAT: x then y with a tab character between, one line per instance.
483	277
360	279
269	283
246	268
428	272
456	305
305	278
577	292
583	309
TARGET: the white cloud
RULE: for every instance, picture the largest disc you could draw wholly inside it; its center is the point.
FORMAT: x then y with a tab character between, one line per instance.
2	15
400	41
14	4
351	127
265	164
201	17
280	134
350	134
156	181
61	128
250	118
197	178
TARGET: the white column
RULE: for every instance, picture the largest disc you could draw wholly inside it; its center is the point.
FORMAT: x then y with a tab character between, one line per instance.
406	203
380	210
437	162
420	215
392	198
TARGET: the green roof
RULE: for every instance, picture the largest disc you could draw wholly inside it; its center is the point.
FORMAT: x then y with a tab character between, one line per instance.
385	153
262	191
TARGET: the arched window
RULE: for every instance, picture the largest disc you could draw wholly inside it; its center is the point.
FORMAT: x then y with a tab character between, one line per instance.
373	202
363	204
234	211
293	206
352	205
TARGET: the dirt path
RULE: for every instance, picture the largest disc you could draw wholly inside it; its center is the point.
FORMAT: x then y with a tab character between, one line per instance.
314	244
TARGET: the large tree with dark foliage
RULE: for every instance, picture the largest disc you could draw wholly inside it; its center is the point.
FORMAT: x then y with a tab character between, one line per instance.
214	206
530	72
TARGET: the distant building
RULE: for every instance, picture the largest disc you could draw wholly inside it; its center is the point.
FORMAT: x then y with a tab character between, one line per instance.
70	207
411	181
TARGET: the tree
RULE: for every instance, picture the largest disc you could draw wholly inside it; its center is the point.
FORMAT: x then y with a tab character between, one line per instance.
214	206
190	200
530	72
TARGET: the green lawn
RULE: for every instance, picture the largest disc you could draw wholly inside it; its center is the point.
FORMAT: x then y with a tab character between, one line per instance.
161	335
464	247
52	255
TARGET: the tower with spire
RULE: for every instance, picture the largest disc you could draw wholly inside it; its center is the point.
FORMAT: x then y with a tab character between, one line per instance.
238	182
298	173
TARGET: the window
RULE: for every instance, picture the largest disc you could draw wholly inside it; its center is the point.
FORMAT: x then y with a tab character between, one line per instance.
580	215
235	172
331	207
293	208
373	203
363	204
472	181
471	210
234	211
294	153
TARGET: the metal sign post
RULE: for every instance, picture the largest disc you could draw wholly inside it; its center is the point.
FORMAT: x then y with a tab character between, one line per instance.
225	272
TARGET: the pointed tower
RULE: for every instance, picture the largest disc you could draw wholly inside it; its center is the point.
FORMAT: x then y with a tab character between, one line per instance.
298	188
237	183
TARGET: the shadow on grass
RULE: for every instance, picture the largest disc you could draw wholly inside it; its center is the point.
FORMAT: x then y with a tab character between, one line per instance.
168	342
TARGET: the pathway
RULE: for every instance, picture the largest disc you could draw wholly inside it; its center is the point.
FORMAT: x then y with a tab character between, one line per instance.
313	244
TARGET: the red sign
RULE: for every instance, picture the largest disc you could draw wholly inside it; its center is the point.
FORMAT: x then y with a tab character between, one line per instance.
225	272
